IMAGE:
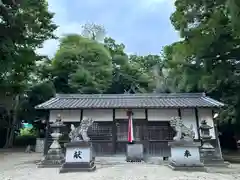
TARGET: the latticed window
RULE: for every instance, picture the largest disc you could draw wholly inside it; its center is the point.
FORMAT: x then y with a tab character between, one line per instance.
122	131
159	131
101	131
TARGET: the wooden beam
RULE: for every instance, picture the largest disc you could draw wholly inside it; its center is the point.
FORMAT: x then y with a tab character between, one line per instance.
46	133
114	132
197	121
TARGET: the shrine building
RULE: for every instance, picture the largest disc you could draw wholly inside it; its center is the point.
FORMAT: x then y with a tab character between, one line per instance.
151	116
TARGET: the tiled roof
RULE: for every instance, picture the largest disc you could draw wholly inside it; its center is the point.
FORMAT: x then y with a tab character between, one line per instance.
162	100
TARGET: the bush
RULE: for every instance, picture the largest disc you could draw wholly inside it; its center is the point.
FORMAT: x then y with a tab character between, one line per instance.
26	137
23	141
28	132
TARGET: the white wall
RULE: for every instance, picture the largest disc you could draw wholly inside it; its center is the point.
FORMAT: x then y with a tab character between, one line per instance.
67	115
161	114
189	118
206	114
74	115
99	114
137	113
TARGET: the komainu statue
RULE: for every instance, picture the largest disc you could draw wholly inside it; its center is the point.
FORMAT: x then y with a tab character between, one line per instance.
182	132
80	133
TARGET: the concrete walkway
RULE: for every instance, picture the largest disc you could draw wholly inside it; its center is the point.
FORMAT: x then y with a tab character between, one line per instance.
22	166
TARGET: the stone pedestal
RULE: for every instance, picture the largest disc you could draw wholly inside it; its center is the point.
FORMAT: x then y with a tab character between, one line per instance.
185	156
134	153
53	159
211	158
78	157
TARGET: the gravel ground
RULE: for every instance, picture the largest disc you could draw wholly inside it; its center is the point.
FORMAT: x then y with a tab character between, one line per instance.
22	166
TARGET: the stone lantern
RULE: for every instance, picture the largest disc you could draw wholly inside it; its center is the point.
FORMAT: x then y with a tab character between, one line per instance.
209	155
55	156
206	137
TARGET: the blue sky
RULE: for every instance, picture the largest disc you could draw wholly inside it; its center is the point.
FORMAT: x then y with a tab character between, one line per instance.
142	25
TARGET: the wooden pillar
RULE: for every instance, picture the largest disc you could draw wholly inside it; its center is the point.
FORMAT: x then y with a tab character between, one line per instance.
46	133
179	113
146	114
145	124
215	128
145	133
197	121
81	115
114	132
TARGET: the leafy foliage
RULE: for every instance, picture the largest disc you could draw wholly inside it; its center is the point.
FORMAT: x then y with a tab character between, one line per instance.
208	56
36	94
24	27
28	132
129	72
82	65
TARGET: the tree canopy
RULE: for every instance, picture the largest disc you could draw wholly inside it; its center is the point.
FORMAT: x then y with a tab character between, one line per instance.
24	27
83	64
208	56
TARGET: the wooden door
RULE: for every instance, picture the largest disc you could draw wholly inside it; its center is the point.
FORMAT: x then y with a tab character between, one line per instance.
122	133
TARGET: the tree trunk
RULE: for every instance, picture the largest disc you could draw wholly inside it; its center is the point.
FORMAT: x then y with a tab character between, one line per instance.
11	133
8	127
12	127
7	138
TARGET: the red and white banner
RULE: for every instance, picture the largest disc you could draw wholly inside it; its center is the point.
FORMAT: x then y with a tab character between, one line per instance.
130	128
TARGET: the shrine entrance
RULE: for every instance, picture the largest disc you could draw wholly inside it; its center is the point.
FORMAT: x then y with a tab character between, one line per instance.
153	135
139	132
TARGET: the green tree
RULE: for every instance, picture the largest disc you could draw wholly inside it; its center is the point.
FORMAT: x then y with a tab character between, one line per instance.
24	27
81	65
129	74
35	95
207	56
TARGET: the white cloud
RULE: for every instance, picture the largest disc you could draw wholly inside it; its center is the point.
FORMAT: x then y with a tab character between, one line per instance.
65	27
68	19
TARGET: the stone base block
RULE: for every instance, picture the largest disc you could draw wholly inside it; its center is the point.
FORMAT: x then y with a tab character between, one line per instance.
78	167
53	159
188	167
216	163
50	163
134	153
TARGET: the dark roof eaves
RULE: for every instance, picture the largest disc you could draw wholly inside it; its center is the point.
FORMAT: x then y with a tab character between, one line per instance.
47	103
147	95
130	107
213	101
